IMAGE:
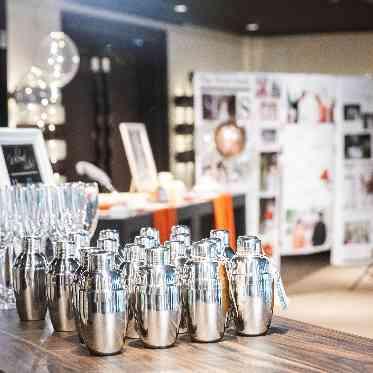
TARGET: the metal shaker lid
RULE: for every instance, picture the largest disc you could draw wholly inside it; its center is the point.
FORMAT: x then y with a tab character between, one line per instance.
177	229
177	249
108	233
84	255
147	241
249	245
100	261
205	249
183	237
150	232
31	244
31	257
108	244
222	234
79	239
133	252
219	243
159	255
63	249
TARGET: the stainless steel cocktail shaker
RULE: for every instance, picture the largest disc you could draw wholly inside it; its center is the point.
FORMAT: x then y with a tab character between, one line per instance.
158	300
112	234
147	241
248	246
223	235
29	276
150	232
59	288
103	311
109	241
134	256
180	229
208	295
252	287
179	257
78	240
160	255
7	258
76	285
107	244
178	252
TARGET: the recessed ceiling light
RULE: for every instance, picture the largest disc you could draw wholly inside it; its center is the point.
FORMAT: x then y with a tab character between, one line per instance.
252	27
138	42
180	8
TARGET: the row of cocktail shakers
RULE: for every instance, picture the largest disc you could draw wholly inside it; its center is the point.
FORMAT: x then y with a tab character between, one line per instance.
147	290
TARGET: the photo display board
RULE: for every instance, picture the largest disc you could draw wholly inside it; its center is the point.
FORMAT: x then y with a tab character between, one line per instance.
299	146
21	164
354	172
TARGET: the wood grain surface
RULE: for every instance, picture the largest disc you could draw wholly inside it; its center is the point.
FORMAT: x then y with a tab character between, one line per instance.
290	346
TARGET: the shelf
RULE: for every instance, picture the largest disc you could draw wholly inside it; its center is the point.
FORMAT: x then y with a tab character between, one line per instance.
184	101
184	157
184	129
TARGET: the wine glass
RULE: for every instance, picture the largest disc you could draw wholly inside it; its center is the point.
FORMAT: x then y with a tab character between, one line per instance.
7	253
90	215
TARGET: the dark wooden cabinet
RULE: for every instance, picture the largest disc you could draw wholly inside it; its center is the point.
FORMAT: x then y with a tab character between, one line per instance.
133	89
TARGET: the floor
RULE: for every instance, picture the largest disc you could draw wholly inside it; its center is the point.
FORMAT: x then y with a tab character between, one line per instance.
334	297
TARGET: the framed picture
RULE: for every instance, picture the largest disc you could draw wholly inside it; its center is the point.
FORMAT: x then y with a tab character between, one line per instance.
24	157
140	156
368	121
358	146
351	112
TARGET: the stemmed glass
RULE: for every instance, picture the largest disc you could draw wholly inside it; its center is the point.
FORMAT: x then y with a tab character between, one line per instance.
7	254
73	208
49	211
79	203
89	218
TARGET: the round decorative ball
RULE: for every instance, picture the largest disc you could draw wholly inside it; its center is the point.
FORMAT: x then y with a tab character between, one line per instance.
58	58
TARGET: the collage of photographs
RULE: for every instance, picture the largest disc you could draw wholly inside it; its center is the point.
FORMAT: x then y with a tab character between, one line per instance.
358	182
357	164
269	94
243	130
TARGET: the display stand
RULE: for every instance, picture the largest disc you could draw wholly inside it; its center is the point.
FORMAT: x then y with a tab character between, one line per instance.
315	133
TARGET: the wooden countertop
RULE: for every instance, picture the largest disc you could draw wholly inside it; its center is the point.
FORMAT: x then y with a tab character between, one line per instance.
290	346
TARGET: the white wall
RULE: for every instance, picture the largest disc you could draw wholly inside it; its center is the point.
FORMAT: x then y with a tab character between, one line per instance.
192	49
343	53
28	22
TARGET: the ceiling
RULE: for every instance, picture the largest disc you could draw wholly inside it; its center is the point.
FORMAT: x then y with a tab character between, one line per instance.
273	17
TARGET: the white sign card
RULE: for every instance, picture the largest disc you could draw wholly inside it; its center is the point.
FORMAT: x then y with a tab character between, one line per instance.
24	157
140	156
